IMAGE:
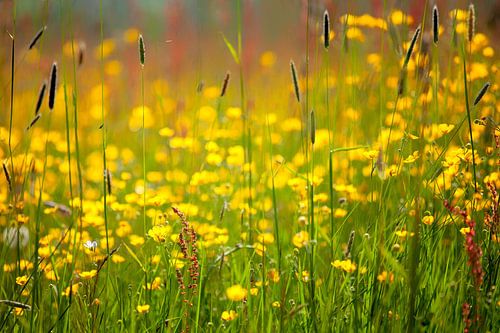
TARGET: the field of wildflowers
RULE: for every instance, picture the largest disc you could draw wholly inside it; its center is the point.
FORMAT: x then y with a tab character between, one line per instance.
249	166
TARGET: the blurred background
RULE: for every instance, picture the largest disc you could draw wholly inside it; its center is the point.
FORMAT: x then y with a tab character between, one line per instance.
183	38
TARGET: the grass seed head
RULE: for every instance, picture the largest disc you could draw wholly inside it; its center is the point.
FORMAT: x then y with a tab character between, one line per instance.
141	50
36	38
471	23
313	127
412	46
53	85
225	84
481	93
81	52
326	30
41	94
295	80
435	24
7	175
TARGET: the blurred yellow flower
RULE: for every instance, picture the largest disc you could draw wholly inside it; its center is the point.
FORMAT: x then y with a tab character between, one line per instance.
428	219
135	119
229	315
21	280
345	265
236	293
143	308
300	239
88	275
267	59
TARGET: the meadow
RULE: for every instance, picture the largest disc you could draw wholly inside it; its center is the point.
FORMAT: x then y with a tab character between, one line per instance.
249	166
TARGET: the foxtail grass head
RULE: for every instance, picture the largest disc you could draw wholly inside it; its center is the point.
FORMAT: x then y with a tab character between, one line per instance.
471	23
7	175
350	242
412	46
435	24
81	52
41	94
326	30
481	93
141	50
295	80
53	85
225	83
36	38
401	82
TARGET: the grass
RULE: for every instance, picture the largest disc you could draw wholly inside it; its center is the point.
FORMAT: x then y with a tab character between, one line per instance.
348	195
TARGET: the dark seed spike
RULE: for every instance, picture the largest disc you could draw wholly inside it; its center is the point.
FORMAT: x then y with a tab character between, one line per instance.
36	38
481	93
34	121
200	86
471	22
350	242
295	80
81	52
326	29
41	94
412	46
53	84
7	175
313	127
401	82
435	23
225	84
141	50
108	181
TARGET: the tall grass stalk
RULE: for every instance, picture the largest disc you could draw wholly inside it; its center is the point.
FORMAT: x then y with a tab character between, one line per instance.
141	58
469	120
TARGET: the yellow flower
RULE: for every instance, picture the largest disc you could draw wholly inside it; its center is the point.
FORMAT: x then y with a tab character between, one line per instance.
273	275
429	219
445	128
131	35
265	238
236	293
465	231
143	308
108	46
113	67
306	276
136	240
339	212
412	158
88	275
345	265
166	132
160	233
73	289
300	239
155	285
117	259
229	315
267	59
21	280
276	304
355	34
398	18
259	248
135	119
385	277
371	154
18	312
